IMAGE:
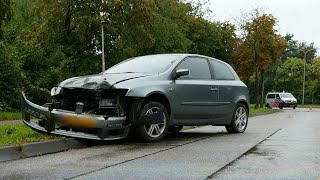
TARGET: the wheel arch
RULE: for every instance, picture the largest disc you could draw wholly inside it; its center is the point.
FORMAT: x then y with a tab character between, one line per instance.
161	98
244	102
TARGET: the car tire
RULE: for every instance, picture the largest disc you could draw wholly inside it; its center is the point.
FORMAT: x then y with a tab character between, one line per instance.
175	129
239	120
154	132
294	107
268	106
280	106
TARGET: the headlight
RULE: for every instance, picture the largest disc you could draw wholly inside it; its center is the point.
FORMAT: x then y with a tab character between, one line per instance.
55	91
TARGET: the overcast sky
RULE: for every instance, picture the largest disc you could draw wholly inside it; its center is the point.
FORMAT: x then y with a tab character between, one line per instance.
298	17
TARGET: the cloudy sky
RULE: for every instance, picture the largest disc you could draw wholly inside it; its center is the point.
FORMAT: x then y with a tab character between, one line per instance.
298	17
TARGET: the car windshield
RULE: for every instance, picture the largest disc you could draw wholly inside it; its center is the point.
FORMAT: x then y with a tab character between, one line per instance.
286	95
152	64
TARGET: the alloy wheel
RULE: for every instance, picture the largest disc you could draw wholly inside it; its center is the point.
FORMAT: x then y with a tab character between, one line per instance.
155	130
241	118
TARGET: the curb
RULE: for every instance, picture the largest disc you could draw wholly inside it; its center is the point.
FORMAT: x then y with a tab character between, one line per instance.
10	153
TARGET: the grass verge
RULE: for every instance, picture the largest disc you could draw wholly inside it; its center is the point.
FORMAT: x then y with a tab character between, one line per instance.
4	116
260	111
308	106
18	134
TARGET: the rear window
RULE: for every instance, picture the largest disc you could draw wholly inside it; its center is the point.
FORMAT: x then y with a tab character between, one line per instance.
221	71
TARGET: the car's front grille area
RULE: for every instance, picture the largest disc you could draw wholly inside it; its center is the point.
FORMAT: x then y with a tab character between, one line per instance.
69	97
109	102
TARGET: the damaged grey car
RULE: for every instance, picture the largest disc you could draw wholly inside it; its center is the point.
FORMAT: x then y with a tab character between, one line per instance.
149	95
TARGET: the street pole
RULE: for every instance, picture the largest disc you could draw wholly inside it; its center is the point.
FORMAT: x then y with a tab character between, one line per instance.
102	39
304	76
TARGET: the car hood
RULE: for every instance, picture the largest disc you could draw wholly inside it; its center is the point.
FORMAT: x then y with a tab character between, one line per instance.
289	99
99	81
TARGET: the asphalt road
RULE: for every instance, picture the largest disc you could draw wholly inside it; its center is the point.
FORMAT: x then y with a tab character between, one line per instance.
283	145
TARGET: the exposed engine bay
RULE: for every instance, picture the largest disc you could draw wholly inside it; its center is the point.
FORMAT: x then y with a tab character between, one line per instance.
106	102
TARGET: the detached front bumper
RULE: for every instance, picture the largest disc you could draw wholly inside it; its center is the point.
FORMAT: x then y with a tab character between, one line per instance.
111	128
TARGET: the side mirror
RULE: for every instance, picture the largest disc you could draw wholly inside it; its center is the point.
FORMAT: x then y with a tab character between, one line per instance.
181	72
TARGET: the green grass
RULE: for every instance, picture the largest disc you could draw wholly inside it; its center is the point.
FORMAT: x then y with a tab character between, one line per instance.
10	116
260	111
308	106
17	134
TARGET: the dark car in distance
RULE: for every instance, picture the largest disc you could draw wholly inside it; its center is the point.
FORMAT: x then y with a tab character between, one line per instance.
150	95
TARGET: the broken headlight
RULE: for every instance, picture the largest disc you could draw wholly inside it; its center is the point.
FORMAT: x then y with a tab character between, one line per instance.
56	90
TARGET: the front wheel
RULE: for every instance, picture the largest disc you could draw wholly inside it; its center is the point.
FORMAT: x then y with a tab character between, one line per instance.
239	121
153	132
280	106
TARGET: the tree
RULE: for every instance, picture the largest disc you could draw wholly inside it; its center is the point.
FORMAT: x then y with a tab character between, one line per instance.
11	79
289	76
316	68
45	41
310	50
259	47
69	29
313	86
5	13
20	22
211	38
292	51
147	27
296	49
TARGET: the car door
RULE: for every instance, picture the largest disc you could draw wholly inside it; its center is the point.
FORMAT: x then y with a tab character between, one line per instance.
224	80
194	95
270	100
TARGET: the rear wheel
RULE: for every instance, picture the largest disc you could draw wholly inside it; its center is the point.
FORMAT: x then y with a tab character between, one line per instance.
239	121
153	132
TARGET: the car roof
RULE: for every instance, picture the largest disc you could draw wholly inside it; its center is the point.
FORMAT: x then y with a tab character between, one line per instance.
183	55
279	93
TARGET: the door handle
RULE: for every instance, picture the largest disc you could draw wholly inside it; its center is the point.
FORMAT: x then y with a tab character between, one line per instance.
213	89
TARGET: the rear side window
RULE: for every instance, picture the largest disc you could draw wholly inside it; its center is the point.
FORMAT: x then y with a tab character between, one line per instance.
198	68
221	71
271	96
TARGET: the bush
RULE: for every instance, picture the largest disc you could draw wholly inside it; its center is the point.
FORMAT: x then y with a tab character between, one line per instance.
12	80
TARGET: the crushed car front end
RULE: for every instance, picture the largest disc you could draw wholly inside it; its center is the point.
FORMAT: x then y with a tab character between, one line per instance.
100	114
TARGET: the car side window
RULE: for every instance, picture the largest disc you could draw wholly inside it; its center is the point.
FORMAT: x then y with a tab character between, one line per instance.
198	68
271	96
221	71
278	96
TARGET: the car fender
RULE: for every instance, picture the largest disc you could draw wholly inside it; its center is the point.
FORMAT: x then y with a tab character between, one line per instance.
147	88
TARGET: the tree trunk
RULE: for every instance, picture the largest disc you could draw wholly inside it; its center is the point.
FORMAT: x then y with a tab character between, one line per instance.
257	87
262	89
